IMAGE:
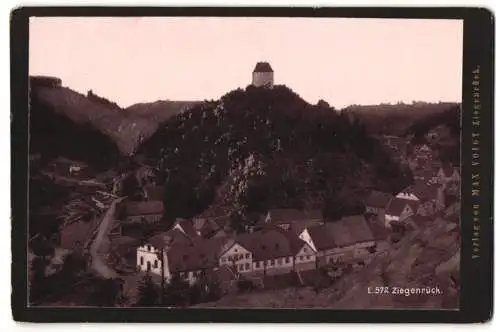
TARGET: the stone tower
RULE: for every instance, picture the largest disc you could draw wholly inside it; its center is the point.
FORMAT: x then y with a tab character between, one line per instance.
263	75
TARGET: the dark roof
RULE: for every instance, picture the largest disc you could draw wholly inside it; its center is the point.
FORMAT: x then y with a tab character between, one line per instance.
279	216
322	236
263	67
397	205
270	244
144	208
346	231
378	199
170	238
350	230
423	191
188	227
201	255
214	212
379	231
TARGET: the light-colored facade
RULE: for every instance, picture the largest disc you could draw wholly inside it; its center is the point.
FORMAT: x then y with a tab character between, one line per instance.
405	213
238	257
148	260
263	79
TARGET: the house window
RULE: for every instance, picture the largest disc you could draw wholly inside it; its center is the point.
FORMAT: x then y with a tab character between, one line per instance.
148	248
257	264
301	258
287	260
155	265
149	266
223	259
235	249
271	262
247	255
247	266
241	256
308	257
278	262
142	260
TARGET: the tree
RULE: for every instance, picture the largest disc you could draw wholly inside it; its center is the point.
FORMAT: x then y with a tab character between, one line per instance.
149	292
131	187
106	293
177	292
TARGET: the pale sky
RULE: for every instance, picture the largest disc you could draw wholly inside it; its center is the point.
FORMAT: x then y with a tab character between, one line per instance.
341	60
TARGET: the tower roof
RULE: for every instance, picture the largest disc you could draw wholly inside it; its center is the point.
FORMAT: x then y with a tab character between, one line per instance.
263	67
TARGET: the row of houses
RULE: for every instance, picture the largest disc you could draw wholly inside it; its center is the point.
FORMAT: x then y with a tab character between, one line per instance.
279	245
425	197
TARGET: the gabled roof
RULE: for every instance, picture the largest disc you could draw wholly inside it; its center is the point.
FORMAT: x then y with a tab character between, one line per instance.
423	191
378	199
168	239
280	216
397	205
144	208
187	226
346	231
263	67
352	229
270	243
194	257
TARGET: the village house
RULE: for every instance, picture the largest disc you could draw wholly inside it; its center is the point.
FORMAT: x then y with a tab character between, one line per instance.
149	253
376	202
184	258
400	208
268	252
142	211
211	222
430	197
447	173
263	75
348	240
186	226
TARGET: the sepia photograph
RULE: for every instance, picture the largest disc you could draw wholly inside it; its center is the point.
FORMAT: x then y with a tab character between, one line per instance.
245	162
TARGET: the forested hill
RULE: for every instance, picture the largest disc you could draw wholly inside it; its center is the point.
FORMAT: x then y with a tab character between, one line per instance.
125	128
56	129
267	148
449	118
396	119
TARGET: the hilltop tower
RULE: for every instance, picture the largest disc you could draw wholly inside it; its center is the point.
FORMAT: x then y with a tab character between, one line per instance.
263	75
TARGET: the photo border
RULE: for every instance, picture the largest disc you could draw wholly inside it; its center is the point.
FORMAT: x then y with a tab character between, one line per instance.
476	273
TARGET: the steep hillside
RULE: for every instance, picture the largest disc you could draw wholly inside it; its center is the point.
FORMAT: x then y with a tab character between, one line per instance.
261	148
126	128
429	257
57	130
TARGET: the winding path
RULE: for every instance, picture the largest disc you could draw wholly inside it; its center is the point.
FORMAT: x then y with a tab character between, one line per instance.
98	264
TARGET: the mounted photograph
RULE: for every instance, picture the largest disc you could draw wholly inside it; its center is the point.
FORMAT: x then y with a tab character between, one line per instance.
245	163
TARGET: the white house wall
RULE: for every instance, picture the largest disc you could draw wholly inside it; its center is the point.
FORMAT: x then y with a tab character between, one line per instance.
306	237
239	257
261	79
